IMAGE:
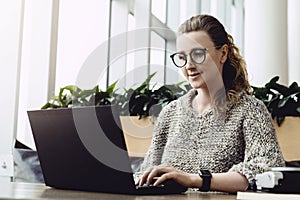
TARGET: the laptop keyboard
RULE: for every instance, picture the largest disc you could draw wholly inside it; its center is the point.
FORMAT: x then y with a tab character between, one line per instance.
167	187
149	186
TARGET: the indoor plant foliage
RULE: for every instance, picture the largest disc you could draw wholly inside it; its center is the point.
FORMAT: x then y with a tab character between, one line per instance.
280	100
135	105
146	100
73	96
143	100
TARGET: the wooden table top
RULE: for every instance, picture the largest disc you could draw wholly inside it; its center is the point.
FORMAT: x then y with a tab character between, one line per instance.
13	190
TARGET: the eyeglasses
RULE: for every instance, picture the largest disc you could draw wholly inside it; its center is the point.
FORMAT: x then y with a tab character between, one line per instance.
197	55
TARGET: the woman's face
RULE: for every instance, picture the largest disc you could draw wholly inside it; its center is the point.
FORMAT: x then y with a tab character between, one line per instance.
208	74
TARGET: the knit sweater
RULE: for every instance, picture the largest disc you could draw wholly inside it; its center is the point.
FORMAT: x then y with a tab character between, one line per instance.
243	141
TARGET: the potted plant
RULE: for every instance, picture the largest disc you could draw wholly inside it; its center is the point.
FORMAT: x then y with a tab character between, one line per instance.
284	105
138	107
73	96
27	166
146	100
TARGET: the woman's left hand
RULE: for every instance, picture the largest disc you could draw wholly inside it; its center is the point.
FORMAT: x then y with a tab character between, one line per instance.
158	174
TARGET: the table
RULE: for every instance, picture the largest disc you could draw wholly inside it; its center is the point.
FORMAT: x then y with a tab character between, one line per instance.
16	190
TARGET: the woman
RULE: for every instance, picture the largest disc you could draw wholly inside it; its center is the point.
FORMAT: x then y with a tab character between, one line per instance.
218	128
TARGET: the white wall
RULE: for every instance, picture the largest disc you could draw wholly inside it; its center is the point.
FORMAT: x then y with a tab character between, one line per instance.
10	15
266	40
294	40
34	63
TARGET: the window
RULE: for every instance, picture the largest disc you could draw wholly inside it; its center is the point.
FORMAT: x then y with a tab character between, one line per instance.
83	27
158	9
130	54
157	57
34	63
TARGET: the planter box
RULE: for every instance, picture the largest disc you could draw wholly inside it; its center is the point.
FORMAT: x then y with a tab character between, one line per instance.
289	138
138	134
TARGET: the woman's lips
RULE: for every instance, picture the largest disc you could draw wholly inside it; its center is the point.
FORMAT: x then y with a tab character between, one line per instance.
195	75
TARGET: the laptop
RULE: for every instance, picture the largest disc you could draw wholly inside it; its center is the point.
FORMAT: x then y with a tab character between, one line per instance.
83	148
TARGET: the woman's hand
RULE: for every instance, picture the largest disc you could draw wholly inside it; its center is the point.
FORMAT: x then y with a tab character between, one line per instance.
159	174
226	182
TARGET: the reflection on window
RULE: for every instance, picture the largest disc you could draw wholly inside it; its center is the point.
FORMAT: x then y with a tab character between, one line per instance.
131	22
83	26
158	8
130	55
157	57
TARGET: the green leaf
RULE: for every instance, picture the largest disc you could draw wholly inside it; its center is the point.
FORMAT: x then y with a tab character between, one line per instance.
142	101
180	83
87	93
110	89
47	105
274	79
283	101
148	79
294	85
280	120
280	100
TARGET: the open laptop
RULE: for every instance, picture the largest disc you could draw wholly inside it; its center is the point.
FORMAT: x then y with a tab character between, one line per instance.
83	148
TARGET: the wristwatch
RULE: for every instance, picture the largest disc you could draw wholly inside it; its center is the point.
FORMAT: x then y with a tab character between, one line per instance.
206	179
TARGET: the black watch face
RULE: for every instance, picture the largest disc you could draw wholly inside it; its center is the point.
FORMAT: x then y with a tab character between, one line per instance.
206	177
204	173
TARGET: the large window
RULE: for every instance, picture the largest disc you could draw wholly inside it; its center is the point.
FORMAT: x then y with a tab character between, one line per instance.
159	9
157	57
82	28
128	40
34	63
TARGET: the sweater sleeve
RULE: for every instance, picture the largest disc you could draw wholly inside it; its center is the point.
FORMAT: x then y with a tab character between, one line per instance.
261	146
159	139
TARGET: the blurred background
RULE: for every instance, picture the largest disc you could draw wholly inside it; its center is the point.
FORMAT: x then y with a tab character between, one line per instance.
45	45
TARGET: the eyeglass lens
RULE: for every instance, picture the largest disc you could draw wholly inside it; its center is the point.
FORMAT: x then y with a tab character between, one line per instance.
197	56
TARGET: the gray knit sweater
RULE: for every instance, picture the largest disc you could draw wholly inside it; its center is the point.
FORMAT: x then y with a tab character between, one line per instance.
243	141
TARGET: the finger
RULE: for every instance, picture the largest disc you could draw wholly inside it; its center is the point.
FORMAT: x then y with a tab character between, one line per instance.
156	172
144	177
162	178
136	182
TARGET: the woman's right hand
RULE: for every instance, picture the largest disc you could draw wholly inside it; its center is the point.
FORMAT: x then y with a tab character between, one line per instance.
158	174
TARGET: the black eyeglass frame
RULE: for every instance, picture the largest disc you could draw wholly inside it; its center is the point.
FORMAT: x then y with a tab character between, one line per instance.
190	54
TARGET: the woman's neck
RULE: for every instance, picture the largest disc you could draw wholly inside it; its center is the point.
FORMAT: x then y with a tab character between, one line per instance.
202	101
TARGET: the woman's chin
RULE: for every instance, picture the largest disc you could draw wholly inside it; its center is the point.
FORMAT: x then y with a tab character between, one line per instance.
197	85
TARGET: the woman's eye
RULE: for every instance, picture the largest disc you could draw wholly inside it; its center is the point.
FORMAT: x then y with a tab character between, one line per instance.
181	57
198	54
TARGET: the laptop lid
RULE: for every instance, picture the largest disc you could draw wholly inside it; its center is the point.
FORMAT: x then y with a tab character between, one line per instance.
82	148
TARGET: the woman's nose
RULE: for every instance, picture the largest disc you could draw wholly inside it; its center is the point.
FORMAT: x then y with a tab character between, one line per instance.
189	63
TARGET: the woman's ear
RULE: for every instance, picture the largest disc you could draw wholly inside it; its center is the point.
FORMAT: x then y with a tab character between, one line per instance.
224	53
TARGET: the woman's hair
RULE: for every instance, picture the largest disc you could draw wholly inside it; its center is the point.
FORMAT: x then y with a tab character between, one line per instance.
234	71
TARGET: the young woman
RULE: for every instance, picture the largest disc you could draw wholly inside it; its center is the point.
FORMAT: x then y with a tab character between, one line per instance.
216	137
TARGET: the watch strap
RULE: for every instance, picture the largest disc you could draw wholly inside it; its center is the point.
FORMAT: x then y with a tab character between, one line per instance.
206	180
